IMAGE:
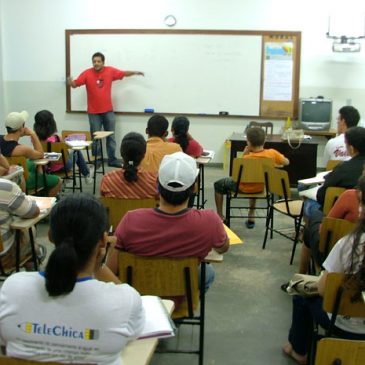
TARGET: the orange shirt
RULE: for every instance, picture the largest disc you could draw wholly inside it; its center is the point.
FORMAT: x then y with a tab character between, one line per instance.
114	185
251	188
157	148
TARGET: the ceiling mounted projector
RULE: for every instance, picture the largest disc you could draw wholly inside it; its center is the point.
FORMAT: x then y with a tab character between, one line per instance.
346	46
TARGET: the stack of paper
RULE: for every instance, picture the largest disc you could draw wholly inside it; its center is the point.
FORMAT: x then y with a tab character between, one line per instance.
52	156
310	193
158	322
44	203
318	179
78	143
14	170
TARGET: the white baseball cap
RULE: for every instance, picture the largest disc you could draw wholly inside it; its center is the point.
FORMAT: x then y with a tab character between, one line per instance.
177	168
16	120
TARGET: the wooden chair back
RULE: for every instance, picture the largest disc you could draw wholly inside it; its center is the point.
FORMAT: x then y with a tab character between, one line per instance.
331	164
20	161
277	182
332	229
337	351
250	169
117	208
332	194
337	300
66	133
62	148
268	126
5	360
164	277
88	136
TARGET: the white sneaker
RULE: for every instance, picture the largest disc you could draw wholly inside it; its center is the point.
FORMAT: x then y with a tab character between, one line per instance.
89	180
91	169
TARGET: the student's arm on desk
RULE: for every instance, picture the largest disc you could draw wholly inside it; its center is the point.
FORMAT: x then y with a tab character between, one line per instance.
223	248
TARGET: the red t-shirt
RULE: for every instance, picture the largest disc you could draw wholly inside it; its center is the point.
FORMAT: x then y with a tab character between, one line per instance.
99	88
194	148
150	232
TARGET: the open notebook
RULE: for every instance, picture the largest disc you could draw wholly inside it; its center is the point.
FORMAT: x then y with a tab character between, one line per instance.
44	203
158	322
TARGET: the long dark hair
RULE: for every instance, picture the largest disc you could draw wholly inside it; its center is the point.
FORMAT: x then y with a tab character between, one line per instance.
132	150
180	128
45	125
77	224
356	271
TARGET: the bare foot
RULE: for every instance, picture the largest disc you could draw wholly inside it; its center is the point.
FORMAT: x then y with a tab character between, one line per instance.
288	350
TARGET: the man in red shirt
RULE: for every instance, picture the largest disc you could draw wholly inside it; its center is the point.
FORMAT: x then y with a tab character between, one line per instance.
172	229
98	81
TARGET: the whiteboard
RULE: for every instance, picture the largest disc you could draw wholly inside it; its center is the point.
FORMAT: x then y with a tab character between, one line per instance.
184	73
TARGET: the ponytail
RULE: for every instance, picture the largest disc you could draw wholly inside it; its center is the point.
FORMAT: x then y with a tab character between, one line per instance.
77	224
130	172
180	127
132	150
61	269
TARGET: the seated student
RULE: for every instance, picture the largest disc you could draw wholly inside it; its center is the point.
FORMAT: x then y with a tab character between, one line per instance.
46	130
335	149
130	182
181	136
9	146
346	207
347	256
254	149
14	203
344	175
157	146
80	318
172	229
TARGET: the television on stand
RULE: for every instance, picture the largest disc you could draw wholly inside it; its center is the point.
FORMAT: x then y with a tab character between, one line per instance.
315	114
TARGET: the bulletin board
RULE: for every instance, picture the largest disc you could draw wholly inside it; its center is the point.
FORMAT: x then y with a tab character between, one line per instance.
192	72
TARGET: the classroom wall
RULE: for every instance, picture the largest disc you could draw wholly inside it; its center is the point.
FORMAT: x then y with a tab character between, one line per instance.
32	67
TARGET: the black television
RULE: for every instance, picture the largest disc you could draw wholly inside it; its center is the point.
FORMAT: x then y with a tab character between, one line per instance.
315	114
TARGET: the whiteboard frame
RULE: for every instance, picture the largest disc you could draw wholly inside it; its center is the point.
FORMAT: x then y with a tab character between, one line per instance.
296	67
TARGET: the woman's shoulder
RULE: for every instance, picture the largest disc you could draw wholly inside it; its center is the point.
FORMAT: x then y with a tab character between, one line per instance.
19	280
118	291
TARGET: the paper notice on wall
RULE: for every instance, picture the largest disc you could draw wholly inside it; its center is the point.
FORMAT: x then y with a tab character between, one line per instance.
278	71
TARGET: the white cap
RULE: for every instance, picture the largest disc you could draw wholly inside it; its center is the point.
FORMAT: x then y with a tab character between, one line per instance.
16	120
178	168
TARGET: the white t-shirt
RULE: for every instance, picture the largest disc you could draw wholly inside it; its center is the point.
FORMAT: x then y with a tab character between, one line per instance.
338	260
335	149
92	324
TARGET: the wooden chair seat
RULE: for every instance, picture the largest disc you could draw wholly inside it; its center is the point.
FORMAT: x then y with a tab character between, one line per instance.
277	184
295	207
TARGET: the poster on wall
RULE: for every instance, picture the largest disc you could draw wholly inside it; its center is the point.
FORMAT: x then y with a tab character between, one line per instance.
278	71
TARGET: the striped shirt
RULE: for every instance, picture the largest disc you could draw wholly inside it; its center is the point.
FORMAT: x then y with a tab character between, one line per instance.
114	185
12	202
